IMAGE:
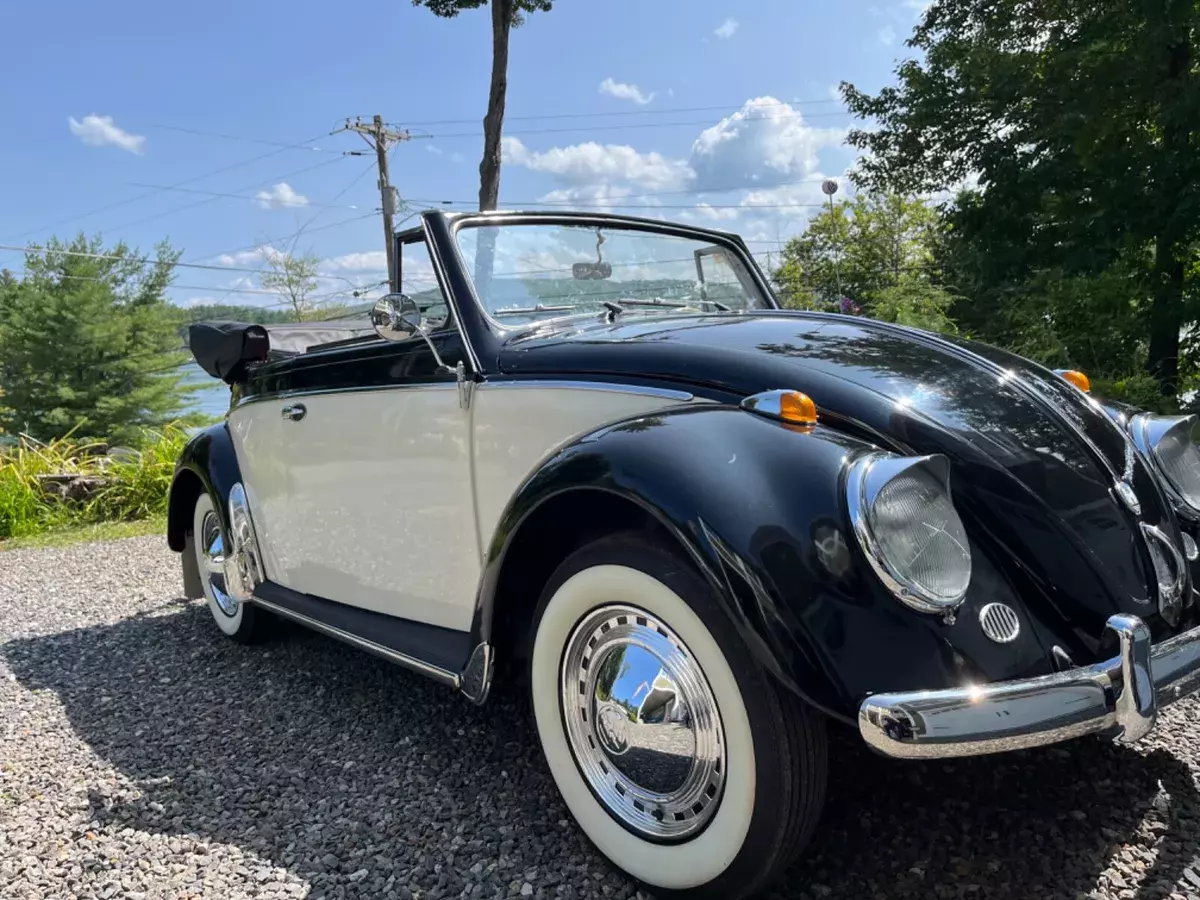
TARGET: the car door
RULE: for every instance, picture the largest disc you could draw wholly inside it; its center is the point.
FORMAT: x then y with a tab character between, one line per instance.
359	474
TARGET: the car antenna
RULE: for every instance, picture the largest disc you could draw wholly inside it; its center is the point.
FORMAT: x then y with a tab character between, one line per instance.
614	309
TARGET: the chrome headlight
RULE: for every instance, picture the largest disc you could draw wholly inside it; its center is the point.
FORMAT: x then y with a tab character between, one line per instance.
909	529
1167	442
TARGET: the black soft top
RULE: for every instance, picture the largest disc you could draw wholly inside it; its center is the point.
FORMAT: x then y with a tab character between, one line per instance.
226	349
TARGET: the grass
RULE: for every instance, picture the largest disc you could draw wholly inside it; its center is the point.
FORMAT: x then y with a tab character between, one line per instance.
133	485
78	534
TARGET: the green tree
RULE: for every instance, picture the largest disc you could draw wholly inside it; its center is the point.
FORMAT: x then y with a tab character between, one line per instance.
506	14
1079	121
879	248
88	342
294	278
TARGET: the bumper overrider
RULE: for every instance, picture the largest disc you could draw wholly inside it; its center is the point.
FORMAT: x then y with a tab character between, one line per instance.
1119	697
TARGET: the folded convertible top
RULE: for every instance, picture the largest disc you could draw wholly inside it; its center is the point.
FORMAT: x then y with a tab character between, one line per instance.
226	349
223	349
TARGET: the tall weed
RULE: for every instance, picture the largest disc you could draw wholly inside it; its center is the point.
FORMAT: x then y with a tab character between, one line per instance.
134	484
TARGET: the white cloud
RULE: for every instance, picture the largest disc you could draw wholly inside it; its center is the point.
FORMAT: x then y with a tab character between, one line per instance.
436	151
757	170
241	257
763	141
282	196
592	163
101	131
625	91
917	7
596	196
887	35
365	261
835	92
726	29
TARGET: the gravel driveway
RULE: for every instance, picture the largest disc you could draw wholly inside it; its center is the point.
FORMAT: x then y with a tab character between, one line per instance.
143	755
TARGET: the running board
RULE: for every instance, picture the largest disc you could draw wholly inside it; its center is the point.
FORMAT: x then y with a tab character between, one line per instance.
442	650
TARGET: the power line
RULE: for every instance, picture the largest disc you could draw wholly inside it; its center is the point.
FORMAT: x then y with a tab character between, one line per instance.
143	260
636	125
185	182
249	187
310	203
288	237
296	237
243	138
630	112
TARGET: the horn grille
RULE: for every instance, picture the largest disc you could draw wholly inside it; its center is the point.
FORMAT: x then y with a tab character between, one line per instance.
999	622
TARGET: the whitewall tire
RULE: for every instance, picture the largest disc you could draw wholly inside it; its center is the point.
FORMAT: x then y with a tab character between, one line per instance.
207	541
674	751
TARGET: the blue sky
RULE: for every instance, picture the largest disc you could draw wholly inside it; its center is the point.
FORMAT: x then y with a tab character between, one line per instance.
733	105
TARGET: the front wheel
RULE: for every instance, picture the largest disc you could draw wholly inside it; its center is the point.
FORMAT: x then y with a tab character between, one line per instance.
679	757
207	541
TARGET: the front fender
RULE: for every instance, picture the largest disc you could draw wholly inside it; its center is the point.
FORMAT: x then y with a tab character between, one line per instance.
208	463
759	507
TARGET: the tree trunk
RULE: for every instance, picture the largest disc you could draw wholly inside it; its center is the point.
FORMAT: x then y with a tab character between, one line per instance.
493	122
1166	313
1166	316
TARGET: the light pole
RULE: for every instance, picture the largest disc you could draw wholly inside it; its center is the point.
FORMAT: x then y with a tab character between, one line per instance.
830	187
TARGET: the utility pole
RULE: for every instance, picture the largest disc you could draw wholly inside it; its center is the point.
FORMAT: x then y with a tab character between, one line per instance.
381	138
830	187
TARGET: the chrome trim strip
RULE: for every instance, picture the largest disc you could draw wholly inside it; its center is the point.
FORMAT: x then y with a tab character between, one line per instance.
365	389
436	673
1119	697
607	386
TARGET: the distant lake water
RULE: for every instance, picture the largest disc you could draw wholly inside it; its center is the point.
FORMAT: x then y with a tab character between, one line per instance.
213	397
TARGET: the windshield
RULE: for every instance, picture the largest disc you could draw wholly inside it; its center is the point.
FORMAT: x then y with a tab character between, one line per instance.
527	272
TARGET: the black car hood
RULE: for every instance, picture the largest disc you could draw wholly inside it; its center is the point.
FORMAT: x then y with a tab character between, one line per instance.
1033	460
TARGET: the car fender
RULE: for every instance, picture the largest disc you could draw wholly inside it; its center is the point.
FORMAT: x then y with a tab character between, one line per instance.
758	507
210	458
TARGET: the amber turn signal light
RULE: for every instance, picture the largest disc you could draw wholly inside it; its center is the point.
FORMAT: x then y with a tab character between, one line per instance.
1076	378
793	407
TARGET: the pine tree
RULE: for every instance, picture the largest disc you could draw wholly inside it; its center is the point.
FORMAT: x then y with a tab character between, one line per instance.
89	344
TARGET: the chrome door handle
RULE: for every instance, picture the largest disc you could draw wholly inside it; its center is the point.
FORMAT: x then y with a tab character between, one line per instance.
295	412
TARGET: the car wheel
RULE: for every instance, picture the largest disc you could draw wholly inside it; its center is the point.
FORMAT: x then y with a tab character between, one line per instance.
241	621
681	759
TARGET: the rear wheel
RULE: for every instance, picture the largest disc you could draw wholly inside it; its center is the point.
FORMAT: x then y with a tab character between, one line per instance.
241	621
679	757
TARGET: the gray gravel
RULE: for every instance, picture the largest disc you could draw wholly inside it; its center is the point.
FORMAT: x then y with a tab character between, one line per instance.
143	755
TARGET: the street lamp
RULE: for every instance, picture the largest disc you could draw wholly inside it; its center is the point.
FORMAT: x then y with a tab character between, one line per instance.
830	187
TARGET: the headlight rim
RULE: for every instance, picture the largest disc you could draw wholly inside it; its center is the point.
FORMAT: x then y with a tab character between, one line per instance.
858	476
1147	431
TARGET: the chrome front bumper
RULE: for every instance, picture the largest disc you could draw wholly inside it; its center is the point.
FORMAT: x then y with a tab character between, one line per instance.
1119	697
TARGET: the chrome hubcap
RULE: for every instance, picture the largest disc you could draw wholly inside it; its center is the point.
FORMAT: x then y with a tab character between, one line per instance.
643	723
212	546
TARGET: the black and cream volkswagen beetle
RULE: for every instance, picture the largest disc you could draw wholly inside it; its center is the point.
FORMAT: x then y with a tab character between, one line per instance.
595	448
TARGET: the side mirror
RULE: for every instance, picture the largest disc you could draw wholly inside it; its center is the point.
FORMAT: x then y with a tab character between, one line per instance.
396	317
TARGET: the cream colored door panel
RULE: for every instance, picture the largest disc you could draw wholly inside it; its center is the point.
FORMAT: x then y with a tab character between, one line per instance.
519	424
257	432
378	510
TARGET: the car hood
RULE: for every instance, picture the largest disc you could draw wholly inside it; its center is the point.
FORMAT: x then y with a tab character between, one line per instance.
1034	461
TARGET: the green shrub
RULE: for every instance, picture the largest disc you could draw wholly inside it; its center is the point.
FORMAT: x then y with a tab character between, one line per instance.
134	484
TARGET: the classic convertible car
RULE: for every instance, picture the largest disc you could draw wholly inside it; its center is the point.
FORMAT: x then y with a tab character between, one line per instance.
594	451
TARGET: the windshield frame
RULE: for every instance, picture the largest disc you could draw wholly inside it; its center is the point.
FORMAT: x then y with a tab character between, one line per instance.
730	242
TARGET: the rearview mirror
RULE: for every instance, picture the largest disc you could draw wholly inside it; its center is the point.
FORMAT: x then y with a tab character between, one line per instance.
588	271
396	317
